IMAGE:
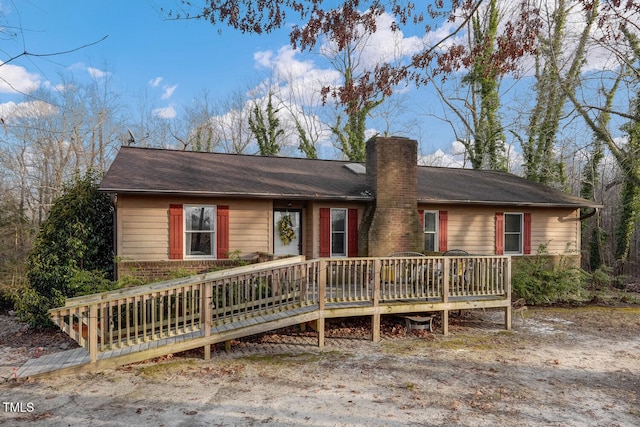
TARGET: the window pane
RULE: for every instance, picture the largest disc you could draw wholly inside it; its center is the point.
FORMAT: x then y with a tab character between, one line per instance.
200	218
430	242
199	244
512	223
430	221
337	244
512	243
338	217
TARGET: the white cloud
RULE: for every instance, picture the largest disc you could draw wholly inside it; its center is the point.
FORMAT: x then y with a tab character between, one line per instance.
453	157
96	73
16	79
264	59
155	82
165	113
299	80
167	91
10	110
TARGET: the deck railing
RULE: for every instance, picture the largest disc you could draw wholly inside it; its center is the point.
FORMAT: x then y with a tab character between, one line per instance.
402	278
126	317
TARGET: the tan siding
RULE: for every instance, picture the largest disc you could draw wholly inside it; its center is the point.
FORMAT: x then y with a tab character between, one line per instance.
313	231
473	228
249	226
144	228
143	225
555	228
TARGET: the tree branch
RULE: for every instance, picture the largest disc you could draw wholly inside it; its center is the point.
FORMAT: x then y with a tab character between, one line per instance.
43	55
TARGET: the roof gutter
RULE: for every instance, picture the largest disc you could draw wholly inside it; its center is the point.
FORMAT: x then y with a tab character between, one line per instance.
505	203
236	195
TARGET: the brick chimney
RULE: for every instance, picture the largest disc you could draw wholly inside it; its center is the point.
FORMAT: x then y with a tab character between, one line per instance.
391	224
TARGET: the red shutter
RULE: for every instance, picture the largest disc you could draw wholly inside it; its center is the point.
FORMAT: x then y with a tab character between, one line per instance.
527	233
325	232
421	215
222	232
443	230
499	233
176	234
352	240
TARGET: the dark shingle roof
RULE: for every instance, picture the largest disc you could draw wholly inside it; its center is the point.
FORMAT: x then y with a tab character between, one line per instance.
157	171
145	170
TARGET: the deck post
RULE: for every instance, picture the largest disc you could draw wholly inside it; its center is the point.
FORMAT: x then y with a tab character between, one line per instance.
322	297
320	324
375	318
507	289
446	266
445	322
92	333
205	320
375	327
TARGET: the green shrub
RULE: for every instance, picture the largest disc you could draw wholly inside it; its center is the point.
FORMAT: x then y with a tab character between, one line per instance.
73	252
32	307
130	280
85	282
180	273
539	280
602	277
9	293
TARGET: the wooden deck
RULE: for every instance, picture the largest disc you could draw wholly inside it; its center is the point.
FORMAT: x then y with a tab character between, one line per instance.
136	324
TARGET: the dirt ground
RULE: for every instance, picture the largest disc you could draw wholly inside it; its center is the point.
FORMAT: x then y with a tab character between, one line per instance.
558	367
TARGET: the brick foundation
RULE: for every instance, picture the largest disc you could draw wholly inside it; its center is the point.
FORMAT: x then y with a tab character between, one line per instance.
153	271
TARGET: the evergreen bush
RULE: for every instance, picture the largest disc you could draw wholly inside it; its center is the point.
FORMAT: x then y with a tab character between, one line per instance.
73	252
540	280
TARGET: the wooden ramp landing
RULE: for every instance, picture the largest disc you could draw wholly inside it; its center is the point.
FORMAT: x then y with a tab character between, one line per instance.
77	360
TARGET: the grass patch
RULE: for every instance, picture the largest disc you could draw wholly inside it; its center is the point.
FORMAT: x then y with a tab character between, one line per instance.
460	341
611	296
597	317
468	342
159	370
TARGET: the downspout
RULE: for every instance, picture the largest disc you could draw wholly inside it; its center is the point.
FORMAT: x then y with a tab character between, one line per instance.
114	202
588	214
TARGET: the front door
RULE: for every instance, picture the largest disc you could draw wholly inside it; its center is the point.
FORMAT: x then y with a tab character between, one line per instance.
287	238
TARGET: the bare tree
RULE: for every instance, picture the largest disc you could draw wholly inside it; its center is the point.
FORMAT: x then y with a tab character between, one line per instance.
194	129
231	122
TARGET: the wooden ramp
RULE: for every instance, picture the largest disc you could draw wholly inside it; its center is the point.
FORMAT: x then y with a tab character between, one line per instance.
77	360
135	324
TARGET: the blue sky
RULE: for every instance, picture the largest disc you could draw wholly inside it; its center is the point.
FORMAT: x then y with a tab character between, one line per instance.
172	61
141	46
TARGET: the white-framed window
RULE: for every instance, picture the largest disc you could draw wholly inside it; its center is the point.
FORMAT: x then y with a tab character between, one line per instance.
430	231
200	231
513	235
338	232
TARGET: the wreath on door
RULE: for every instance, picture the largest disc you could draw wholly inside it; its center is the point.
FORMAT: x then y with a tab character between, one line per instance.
285	229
